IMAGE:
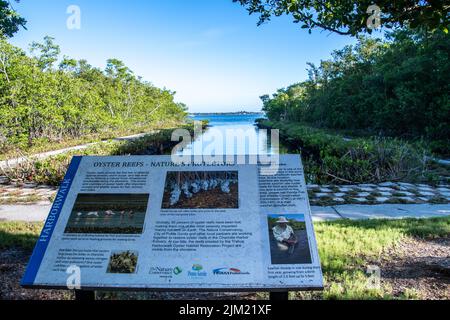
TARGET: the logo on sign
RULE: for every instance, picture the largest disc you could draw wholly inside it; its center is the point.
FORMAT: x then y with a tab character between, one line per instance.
177	271
229	271
160	271
197	267
197	271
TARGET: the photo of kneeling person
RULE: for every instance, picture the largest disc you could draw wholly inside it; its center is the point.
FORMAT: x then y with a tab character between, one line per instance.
285	235
288	239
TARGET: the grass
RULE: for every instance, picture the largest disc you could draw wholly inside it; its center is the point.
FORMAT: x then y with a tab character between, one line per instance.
32	198
19	235
345	247
45	145
51	170
438	200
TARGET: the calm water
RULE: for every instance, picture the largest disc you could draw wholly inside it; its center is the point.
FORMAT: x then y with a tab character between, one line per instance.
230	134
229	119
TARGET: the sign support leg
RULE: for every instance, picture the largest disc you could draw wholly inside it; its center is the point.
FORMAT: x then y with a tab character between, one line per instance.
279	296
84	295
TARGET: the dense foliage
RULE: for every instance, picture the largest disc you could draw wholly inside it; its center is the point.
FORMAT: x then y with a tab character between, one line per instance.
42	101
330	159
351	17
397	87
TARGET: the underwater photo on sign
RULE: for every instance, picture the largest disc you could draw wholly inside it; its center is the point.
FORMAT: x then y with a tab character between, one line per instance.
201	190
108	214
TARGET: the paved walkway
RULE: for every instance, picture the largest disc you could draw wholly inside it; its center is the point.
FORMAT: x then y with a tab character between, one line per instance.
381	211
369	194
383	193
39	212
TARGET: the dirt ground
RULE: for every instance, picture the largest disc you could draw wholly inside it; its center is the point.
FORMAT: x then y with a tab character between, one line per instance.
12	268
418	266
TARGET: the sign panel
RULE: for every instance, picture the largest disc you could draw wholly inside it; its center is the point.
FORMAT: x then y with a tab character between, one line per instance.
145	222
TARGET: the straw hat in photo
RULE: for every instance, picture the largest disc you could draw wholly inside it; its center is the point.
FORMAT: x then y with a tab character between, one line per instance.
282	220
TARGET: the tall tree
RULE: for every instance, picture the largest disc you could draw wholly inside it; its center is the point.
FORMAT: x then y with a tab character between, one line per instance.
10	20
116	69
46	53
349	17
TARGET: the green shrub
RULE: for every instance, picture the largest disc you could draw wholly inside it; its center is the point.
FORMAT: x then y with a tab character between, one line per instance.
51	170
329	158
42	104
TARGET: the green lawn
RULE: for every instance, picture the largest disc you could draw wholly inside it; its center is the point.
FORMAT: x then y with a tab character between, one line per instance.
345	249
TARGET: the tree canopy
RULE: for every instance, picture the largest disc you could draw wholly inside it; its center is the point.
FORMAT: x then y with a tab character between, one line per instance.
10	20
394	87
349	17
42	101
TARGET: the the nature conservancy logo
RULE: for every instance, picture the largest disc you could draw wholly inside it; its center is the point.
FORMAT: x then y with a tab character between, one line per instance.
229	271
160	271
177	270
164	272
196	271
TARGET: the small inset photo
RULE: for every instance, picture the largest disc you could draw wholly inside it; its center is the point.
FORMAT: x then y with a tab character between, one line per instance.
108	214
288	239
123	262
201	190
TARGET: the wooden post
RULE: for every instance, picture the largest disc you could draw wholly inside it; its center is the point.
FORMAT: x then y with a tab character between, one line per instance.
279	296
84	295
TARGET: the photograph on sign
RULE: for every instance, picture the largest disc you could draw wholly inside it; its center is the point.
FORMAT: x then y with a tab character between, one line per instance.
108	213
201	190
288	239
123	262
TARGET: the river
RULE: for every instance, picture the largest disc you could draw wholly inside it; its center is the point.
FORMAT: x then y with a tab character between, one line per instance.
230	134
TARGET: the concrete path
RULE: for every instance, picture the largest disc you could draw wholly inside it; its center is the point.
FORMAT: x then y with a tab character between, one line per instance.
382	211
11	163
382	193
31	213
367	194
39	212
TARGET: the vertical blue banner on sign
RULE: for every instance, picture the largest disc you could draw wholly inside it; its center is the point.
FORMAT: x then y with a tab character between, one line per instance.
49	227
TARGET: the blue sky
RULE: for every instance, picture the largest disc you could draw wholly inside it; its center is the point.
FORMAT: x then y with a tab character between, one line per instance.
209	51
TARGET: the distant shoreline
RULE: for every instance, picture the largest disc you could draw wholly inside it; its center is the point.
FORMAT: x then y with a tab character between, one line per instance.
224	113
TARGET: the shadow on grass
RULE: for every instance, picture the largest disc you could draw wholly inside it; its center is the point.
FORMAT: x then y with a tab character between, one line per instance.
19	236
13	241
422	228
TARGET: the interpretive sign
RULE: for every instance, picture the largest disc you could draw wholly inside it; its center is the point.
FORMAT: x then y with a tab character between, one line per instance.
146	222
